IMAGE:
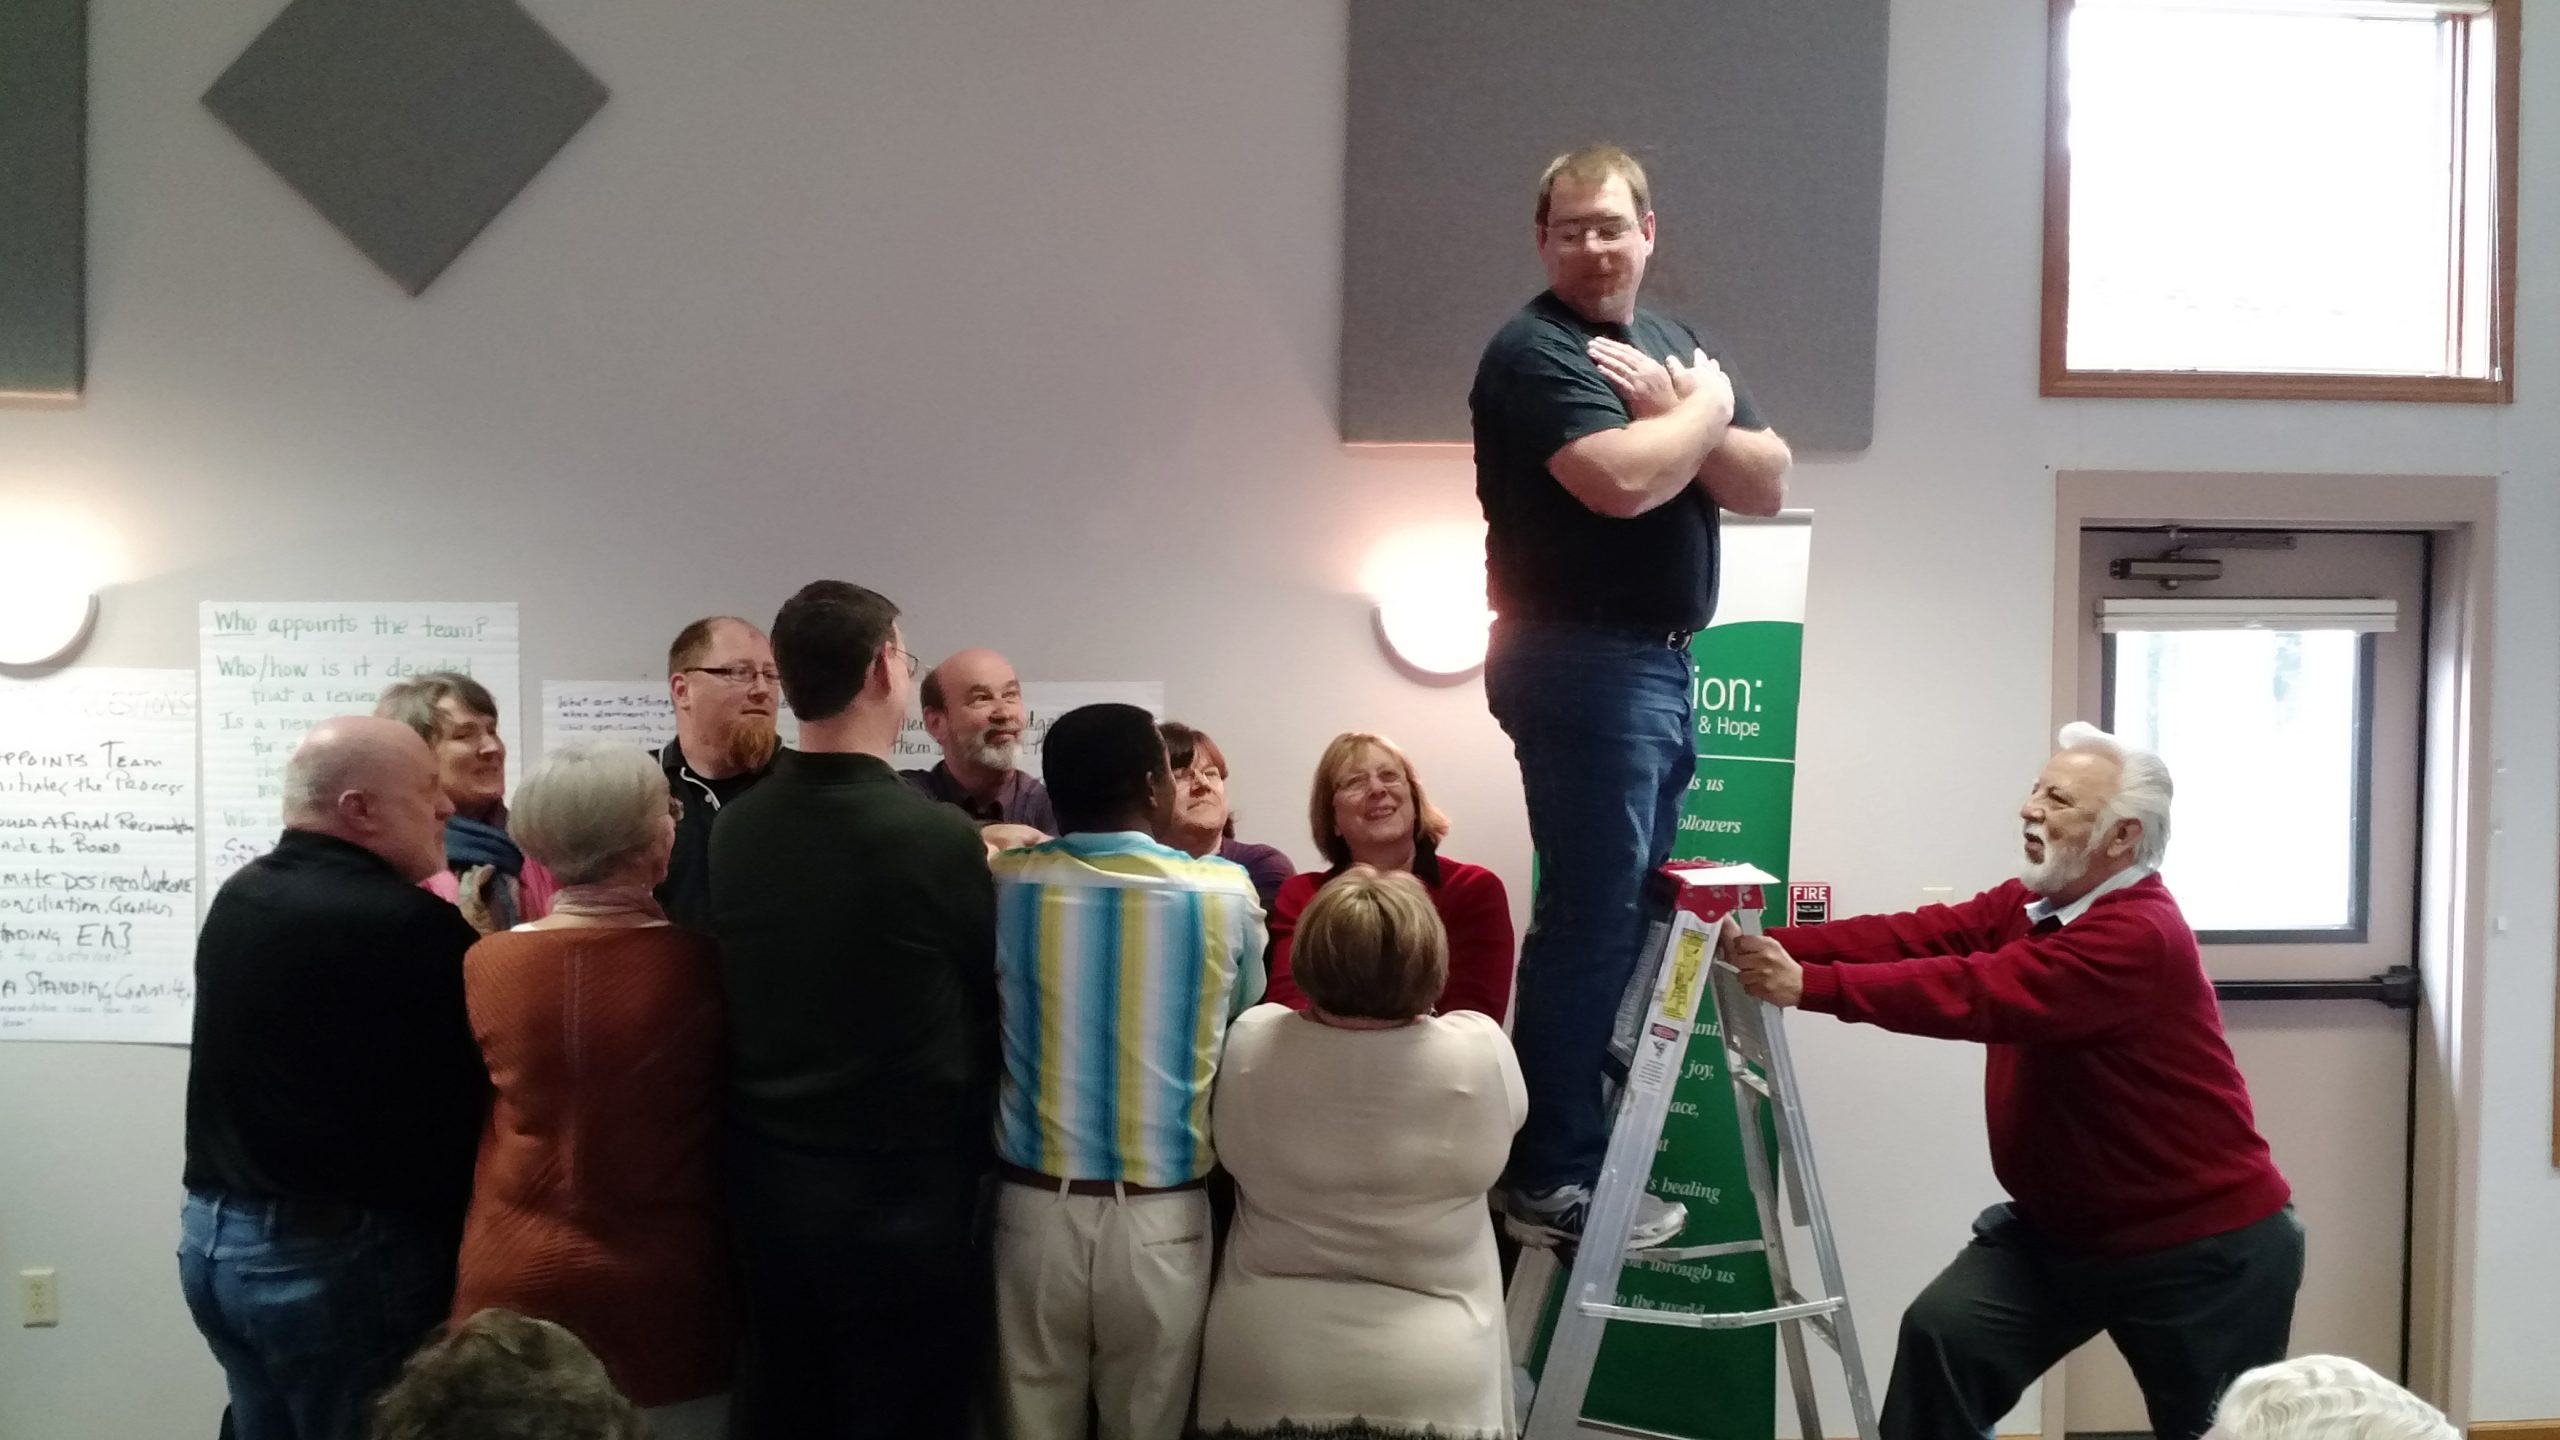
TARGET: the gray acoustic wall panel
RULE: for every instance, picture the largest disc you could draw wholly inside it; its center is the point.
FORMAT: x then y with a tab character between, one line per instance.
1760	122
409	124
44	66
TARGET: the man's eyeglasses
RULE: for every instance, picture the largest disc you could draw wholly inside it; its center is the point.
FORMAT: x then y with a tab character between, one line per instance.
739	674
913	664
1571	233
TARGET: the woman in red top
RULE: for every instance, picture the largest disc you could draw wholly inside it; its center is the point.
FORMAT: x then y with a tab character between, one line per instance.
1368	808
593	1204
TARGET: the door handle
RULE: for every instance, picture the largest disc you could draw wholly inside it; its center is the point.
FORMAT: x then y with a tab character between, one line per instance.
2396	987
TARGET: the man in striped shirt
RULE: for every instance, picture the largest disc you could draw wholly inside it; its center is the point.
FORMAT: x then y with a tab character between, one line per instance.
1119	963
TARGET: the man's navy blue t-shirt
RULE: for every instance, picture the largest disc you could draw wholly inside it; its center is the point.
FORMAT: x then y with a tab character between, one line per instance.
1547	556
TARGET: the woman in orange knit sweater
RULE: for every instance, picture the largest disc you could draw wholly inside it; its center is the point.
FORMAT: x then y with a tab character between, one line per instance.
594	1202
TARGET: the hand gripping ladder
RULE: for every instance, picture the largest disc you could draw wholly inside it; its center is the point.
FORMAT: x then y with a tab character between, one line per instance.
1654	1024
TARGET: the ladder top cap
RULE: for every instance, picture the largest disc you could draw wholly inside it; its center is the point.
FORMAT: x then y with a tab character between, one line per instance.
1691	874
1712	892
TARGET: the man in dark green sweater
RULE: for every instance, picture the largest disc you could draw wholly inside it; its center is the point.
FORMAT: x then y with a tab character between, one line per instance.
856	922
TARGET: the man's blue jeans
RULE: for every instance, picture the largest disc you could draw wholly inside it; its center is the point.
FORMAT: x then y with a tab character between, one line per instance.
309	1320
1600	720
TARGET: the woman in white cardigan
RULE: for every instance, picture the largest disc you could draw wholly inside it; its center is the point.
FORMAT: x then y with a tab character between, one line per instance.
1361	1296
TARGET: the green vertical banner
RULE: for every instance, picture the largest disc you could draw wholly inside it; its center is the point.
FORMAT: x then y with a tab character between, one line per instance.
1747	669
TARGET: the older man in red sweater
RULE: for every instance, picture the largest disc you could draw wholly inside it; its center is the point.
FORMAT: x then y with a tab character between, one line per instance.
2144	1203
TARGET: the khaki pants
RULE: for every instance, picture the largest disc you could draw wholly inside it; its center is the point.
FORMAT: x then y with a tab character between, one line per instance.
1100	1298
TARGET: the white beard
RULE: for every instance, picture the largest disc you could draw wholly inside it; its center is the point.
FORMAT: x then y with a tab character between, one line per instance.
996	757
2059	870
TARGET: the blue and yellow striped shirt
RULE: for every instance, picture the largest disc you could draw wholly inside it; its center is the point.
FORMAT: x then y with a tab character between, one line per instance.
1119	962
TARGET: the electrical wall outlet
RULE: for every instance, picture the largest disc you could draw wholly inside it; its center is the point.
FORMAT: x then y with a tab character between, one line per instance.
38	1302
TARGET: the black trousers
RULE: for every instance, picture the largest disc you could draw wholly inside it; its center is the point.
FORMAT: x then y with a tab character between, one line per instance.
2188	1319
864	1292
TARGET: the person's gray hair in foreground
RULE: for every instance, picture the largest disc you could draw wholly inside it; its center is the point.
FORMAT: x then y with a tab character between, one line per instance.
504	1376
2324	1397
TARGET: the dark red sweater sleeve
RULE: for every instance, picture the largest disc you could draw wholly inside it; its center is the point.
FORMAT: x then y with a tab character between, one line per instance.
1286	907
2097	975
1477	911
1964	928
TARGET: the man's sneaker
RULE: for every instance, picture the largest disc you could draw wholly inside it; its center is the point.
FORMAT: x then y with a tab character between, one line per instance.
1547	1218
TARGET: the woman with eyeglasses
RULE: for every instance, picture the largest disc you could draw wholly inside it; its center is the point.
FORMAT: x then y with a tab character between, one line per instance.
1368	808
593	1204
1203	825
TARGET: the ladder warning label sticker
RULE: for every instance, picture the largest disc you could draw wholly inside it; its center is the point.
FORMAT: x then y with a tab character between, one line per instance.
1653	1058
1680	1001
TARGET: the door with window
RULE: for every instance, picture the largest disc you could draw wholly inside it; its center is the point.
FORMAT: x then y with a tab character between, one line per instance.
2280	676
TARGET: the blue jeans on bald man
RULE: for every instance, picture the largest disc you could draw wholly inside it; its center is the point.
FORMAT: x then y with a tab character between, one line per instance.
310	1310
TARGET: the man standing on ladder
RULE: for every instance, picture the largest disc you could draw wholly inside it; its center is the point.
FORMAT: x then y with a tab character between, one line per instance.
1606	439
2144	1203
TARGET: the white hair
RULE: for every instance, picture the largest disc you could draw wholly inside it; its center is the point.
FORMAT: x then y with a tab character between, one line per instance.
331	760
314	777
2142	793
2325	1397
588	809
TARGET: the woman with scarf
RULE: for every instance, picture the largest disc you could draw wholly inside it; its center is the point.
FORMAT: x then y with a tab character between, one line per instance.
485	873
594	1204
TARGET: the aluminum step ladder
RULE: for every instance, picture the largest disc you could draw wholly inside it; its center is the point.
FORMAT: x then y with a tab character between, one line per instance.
1662	1005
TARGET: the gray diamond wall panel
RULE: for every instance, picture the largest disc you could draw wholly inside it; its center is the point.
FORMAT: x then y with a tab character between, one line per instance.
1761	126
408	124
43	201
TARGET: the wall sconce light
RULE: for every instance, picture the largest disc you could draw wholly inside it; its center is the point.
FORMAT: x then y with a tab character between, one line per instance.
50	566
38	627
1439	640
1430	613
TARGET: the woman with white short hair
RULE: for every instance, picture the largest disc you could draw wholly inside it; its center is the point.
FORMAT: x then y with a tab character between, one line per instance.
593	1203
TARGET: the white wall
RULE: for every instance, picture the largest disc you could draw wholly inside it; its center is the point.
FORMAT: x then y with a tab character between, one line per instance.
1025	315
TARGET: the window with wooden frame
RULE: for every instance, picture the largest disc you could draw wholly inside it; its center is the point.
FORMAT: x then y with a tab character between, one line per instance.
2281	199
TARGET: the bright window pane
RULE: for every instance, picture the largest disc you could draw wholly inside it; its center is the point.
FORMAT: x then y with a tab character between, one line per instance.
2259	191
2259	729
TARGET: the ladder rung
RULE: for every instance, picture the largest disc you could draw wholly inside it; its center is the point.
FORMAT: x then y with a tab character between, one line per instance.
1728	1320
1751	1079
1697	1252
1823	1325
1792	1296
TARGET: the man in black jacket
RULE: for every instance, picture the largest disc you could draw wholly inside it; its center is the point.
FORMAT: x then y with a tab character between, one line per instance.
856	922
720	675
335	1093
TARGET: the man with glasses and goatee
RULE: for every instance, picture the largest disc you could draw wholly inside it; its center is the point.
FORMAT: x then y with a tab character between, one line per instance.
720	675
